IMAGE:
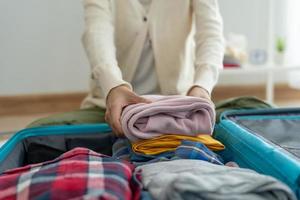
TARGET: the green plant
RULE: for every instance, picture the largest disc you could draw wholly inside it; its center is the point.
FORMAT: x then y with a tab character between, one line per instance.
280	45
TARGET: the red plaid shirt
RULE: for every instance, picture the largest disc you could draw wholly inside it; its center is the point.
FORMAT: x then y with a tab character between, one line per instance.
77	174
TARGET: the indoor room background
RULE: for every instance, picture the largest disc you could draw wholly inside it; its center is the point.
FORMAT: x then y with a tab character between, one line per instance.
44	70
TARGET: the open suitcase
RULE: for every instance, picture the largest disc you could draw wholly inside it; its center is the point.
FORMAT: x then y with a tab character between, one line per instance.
254	139
267	141
40	144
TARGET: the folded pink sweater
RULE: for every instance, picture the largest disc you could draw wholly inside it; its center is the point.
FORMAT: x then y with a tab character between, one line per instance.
180	115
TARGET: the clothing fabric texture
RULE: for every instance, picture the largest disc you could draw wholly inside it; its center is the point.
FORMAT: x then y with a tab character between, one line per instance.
165	143
44	148
146	4
122	150
186	150
240	103
188	51
145	79
197	151
101	145
37	153
77	174
80	116
181	115
196	179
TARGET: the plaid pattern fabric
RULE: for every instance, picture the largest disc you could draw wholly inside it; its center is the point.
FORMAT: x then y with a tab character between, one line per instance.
122	150
77	174
198	151
186	150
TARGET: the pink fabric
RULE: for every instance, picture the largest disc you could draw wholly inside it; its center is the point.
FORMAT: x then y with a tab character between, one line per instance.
181	115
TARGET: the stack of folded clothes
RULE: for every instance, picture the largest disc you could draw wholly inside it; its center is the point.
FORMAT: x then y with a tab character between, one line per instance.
171	127
177	115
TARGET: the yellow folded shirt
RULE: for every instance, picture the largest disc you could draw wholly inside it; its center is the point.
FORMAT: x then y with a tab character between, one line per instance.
171	142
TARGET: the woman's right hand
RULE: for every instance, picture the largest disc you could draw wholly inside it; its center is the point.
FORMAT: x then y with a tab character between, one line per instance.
117	99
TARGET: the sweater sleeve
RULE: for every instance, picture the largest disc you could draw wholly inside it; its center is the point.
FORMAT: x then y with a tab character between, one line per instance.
209	43
98	41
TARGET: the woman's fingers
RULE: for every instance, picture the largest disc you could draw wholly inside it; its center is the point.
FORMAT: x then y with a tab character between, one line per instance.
107	116
115	120
118	98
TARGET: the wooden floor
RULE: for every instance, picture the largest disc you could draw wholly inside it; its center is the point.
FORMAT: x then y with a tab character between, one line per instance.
11	124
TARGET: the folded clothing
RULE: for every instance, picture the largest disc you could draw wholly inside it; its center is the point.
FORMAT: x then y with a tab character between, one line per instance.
168	114
77	174
165	143
197	151
196	179
186	150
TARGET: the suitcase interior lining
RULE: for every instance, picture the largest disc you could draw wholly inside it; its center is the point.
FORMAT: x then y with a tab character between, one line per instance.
280	131
43	148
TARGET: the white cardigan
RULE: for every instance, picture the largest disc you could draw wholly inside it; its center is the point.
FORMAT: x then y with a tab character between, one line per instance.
186	35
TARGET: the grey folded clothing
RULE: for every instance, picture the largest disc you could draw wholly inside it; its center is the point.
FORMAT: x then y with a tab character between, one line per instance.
196	179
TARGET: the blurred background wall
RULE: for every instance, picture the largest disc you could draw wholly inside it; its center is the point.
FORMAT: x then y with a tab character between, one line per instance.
40	48
41	51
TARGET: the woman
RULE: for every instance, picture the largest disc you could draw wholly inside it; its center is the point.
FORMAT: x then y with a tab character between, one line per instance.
138	47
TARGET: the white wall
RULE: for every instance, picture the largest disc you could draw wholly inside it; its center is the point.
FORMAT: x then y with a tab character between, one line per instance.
41	52
293	42
293	32
250	18
40	48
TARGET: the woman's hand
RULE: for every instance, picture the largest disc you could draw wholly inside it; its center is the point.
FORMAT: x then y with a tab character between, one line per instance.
117	99
197	91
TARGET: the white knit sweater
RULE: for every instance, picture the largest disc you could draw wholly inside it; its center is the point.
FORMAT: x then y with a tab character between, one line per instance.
186	35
